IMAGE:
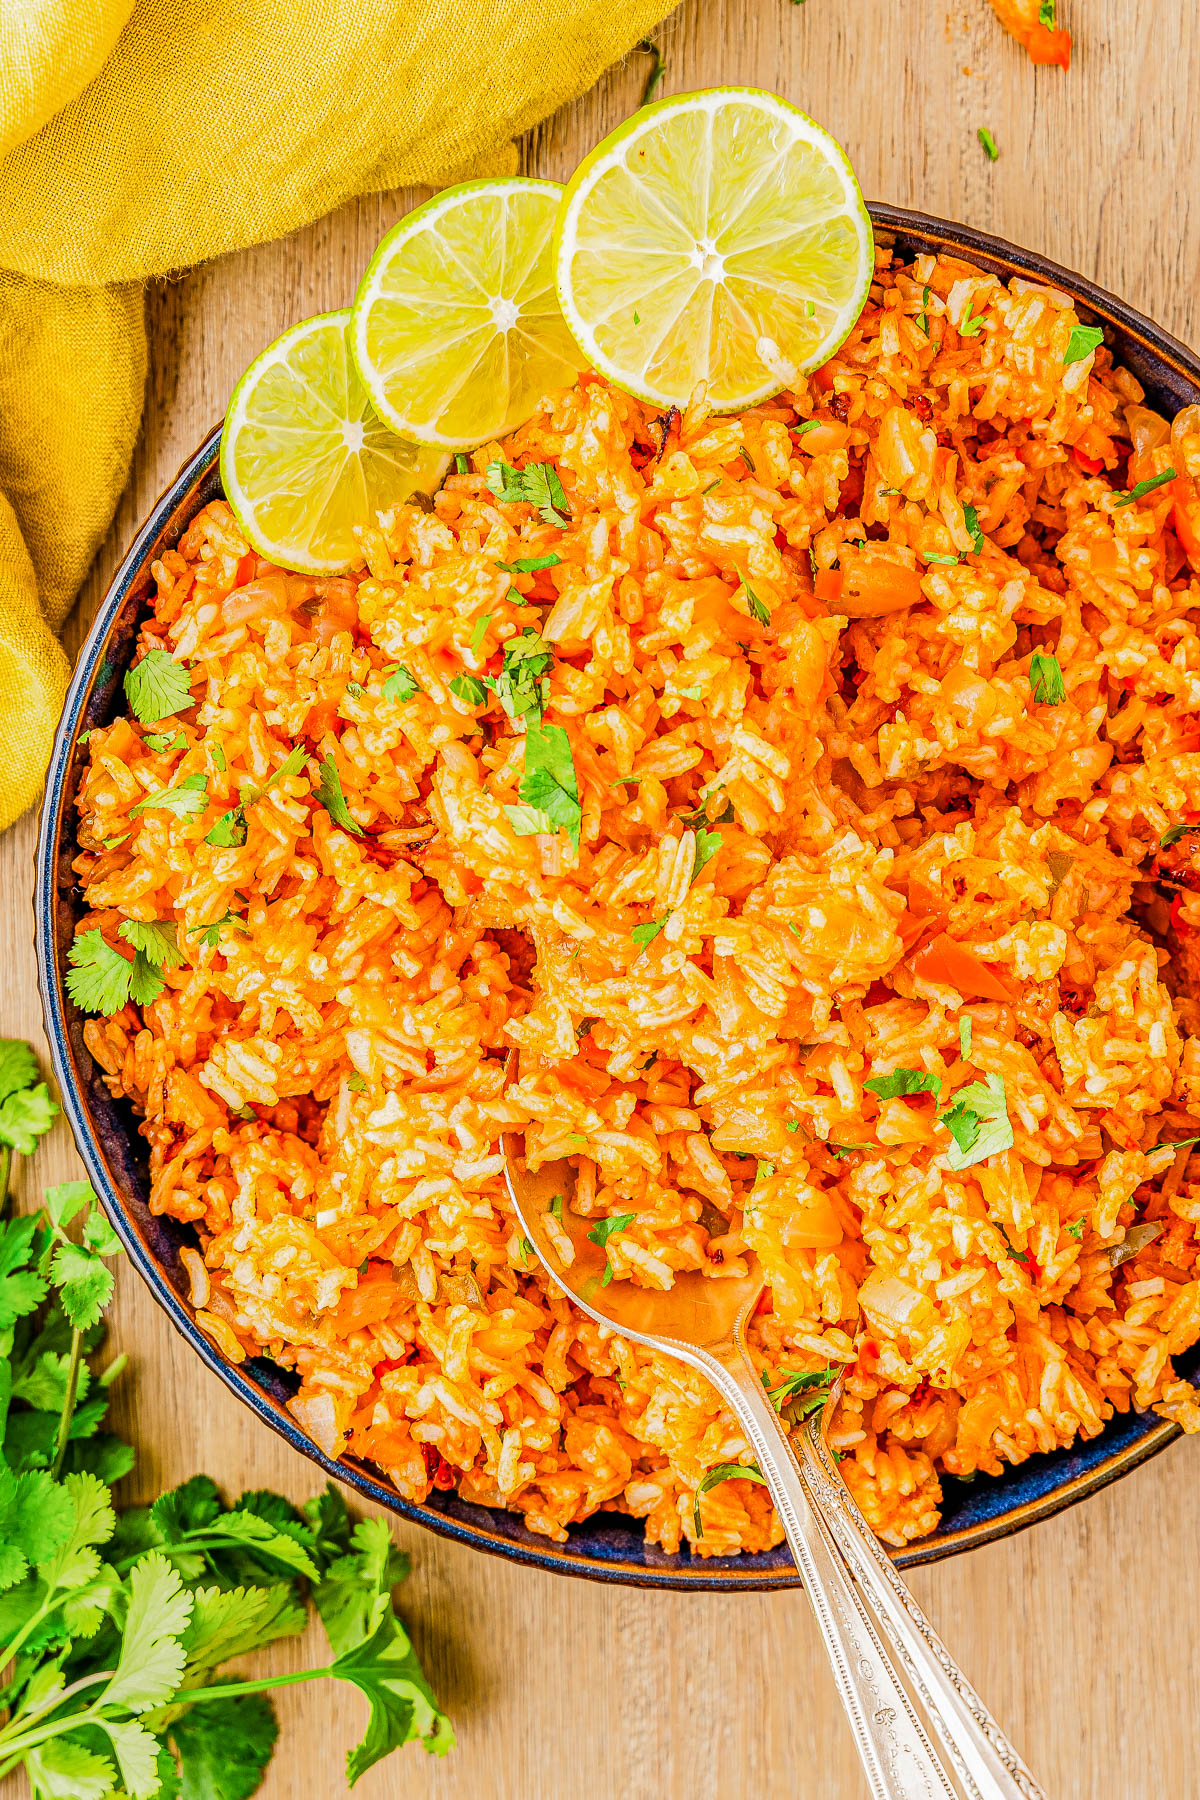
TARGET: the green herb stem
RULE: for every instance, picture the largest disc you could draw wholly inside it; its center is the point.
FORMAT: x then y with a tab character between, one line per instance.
68	1411
5	1172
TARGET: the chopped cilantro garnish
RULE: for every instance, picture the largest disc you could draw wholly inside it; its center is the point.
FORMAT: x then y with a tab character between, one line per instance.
932	556
707	845
101	980
715	483
165	743
520	686
747	459
977	1120
971	520
923	315
188	796
210	934
1048	14
536	485
461	464
556	1206
989	143
469	689
549	784
805	426
904	1081
400	683
157	687
480	632
646	934
727	1471
1084	339
331	797
1046	679
964	1036
791	1125
971	326
1075	1228
799	1392
529	565
1145	487
1173	834
757	609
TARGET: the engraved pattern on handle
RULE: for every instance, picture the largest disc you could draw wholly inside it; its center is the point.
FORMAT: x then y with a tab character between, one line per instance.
898	1756
987	1762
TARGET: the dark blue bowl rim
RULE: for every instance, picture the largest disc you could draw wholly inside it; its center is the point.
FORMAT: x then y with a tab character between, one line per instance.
607	1547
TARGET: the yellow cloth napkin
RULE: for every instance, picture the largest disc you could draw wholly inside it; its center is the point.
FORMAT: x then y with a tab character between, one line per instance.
140	136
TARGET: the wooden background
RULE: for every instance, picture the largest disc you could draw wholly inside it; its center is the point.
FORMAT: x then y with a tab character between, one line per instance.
1081	1633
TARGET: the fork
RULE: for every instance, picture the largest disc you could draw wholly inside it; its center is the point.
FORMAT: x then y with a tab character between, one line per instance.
885	1655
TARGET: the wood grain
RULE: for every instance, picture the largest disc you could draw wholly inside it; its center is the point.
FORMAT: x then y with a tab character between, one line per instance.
1080	1633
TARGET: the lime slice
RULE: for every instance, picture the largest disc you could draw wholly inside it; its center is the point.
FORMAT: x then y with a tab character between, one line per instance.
304	460
456	329
718	237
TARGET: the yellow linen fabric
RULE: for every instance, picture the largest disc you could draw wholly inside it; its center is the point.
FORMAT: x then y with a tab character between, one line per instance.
143	138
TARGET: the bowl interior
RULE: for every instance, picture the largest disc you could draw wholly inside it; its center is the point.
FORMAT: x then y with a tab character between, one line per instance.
607	1546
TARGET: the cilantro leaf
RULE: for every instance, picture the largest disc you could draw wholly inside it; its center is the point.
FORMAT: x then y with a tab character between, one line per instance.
84	1284
965	1029
21	1290
137	1753
157	687
156	940
331	797
188	796
726	1471
971	519
229	832
977	1119
18	1066
64	1769
1084	339
904	1081
707	845
152	1656
603	1229
27	1116
549	783
36	1516
228	1622
536	485
646	934
469	689
529	821
224	1747
400	684
1075	1228
1173	833
210	934
799	1392
1048	14
480	632
165	743
757	609
349	1597
384	1668
1143	488
529	565
520	687
64	1201
1046	679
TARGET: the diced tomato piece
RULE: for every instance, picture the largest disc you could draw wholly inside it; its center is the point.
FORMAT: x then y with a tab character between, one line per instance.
828	586
945	960
245	570
1091	465
1046	46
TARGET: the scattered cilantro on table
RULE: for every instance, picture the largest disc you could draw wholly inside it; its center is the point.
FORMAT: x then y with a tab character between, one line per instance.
115	1624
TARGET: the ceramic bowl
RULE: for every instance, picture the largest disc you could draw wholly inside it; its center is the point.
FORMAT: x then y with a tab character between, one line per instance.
607	1547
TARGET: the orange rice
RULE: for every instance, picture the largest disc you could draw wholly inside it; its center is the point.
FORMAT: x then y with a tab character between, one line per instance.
909	842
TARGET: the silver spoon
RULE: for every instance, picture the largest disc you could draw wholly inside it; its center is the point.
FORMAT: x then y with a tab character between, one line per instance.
882	1654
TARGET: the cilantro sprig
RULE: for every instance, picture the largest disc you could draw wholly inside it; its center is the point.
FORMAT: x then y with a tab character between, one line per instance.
549	791
101	979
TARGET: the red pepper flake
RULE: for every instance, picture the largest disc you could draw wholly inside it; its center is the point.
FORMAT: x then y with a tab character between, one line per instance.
436	1467
922	405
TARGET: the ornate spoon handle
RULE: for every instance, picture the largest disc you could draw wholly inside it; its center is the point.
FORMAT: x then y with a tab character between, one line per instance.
984	1759
898	1757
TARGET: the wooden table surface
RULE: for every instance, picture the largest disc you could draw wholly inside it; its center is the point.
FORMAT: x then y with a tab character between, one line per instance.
1080	1633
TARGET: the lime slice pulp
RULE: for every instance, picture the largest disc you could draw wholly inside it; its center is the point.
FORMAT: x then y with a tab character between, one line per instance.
716	238
457	328
305	462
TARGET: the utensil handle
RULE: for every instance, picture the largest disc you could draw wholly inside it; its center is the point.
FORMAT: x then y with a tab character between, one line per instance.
898	1757
986	1762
